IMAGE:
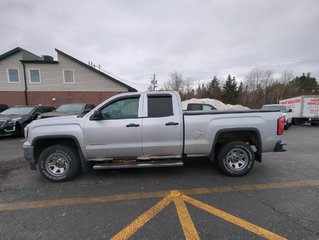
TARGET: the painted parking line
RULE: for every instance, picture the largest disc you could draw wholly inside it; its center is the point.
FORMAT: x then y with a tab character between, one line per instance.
143	219
149	195
79	201
188	227
185	219
233	219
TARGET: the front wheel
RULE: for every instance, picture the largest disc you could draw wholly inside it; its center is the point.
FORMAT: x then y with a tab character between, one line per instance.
58	163
236	158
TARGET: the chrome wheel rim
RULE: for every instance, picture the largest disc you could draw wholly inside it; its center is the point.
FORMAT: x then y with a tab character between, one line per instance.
57	164
237	159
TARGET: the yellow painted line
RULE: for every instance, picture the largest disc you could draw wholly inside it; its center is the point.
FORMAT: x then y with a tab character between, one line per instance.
189	229
148	195
252	187
235	220
143	219
267	186
80	200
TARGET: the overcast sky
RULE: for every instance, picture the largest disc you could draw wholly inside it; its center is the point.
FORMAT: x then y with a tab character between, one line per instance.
134	39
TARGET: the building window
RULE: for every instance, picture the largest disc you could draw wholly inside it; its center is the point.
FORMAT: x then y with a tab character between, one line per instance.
68	76
34	76
13	75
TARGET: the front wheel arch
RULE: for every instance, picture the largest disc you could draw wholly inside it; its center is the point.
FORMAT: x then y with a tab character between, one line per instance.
58	163
42	142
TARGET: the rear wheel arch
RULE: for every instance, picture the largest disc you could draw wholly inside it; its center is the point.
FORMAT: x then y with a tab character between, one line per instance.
248	135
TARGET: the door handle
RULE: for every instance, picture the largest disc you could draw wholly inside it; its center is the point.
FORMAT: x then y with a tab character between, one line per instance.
132	125
171	124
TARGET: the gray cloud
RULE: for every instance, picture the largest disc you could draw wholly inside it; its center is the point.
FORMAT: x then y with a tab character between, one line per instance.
134	39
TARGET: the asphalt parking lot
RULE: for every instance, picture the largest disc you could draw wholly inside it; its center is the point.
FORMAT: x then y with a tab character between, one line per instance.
278	199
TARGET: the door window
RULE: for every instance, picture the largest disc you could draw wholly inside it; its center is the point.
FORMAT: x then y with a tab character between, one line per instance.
121	109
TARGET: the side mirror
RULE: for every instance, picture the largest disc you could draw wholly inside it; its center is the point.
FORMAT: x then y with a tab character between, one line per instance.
35	115
96	116
87	110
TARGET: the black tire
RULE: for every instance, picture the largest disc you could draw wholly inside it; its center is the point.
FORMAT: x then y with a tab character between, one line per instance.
236	158
58	163
314	123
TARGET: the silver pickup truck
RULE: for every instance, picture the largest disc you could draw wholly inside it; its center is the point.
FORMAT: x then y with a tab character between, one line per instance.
137	130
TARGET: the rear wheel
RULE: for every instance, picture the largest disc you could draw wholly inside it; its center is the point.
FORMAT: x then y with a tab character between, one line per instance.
236	158
58	163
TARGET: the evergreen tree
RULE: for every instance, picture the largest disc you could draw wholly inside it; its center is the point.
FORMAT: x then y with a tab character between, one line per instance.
214	90
229	90
306	84
240	94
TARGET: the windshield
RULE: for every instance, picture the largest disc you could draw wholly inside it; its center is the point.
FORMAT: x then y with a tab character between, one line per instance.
281	108
17	111
70	108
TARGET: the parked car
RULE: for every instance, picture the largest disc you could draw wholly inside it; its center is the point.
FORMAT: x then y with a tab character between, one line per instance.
15	119
200	107
284	109
68	109
3	107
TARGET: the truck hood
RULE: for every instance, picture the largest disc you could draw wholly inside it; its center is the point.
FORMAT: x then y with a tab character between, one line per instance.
54	121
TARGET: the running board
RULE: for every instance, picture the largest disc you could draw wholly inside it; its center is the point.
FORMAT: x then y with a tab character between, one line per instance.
140	164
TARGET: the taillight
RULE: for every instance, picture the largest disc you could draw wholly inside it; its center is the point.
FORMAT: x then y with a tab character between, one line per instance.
280	126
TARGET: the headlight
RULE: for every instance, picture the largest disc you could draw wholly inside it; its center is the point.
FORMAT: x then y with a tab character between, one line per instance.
13	121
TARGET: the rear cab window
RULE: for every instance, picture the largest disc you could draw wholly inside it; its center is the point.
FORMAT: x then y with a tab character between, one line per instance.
159	105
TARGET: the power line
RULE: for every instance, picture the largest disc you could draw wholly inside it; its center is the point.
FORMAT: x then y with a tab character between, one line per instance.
238	70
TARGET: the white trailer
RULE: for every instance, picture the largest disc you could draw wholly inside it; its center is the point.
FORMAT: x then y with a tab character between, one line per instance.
304	108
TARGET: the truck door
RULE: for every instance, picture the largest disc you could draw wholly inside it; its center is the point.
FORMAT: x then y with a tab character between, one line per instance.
162	128
118	133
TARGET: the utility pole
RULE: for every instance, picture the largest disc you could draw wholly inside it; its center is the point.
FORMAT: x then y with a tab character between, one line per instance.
154	83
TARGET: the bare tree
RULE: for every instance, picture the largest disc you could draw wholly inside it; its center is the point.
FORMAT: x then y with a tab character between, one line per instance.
189	91
176	82
257	82
286	77
253	79
266	80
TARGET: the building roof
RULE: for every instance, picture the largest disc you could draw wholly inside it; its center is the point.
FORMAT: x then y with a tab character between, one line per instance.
39	60
95	70
14	51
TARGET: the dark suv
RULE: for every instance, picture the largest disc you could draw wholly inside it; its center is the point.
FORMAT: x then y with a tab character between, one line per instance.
14	120
3	107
